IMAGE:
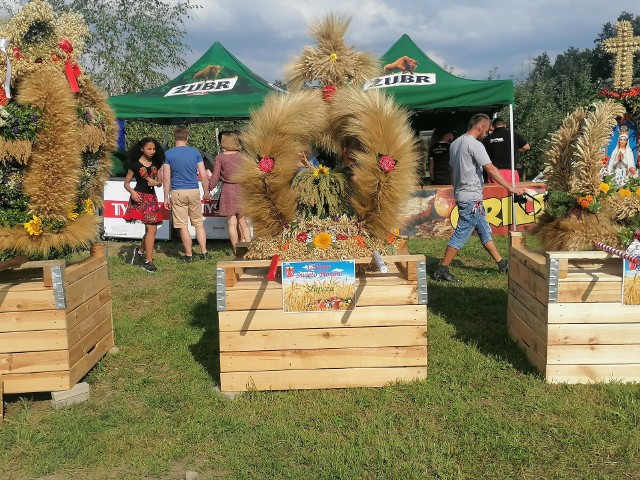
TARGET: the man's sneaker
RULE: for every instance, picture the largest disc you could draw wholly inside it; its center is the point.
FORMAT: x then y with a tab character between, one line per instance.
204	256
446	276
149	267
503	266
136	255
187	259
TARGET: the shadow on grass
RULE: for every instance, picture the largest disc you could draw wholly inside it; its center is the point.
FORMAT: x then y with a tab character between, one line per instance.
206	352
480	318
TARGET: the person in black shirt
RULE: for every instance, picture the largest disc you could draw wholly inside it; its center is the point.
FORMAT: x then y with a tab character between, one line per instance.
498	145
439	169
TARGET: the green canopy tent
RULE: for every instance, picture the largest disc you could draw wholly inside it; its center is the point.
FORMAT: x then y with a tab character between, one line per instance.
217	86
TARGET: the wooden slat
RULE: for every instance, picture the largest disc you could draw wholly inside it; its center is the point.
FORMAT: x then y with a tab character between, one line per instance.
37	341
365	260
89	323
78	314
593	313
77	271
538	325
593	373
327	378
375	316
531	303
536	262
585	254
529	280
36	382
527	339
592	354
32	320
82	290
22	301
323	358
365	295
13	262
595	333
89	341
589	292
323	338
49	361
17	286
86	363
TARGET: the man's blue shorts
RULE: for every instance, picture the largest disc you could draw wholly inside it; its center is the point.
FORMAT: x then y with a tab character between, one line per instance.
472	216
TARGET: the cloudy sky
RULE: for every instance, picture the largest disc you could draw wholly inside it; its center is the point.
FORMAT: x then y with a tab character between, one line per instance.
473	37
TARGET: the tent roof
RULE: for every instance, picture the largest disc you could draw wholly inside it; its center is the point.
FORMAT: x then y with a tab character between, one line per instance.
194	96
441	90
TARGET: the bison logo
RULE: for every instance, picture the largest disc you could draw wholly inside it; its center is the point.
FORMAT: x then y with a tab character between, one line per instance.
209	72
404	64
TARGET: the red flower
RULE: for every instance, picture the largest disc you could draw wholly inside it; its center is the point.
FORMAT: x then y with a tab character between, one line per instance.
636	235
386	163
3	97
605	161
342	236
65	45
17	53
302	237
266	164
328	92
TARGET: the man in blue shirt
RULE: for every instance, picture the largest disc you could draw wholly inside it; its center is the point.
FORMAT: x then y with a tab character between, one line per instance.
182	166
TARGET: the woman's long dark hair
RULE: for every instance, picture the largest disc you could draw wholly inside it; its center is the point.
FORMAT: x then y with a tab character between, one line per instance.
135	152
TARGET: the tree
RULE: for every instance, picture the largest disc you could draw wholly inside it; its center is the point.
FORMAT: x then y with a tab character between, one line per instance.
132	41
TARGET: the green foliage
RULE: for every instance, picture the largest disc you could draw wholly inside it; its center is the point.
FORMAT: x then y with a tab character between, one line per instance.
323	192
20	122
559	204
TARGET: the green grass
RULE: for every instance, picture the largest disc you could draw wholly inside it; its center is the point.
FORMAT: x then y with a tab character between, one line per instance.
482	412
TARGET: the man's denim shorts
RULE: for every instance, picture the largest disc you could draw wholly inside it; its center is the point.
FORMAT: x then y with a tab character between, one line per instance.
471	217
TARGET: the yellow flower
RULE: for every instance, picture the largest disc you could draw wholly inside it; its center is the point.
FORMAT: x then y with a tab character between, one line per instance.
333	57
88	206
638	192
71	214
320	171
396	232
604	188
322	240
624	192
34	226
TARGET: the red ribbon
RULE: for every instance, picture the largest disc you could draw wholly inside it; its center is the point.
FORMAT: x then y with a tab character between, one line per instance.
273	267
73	72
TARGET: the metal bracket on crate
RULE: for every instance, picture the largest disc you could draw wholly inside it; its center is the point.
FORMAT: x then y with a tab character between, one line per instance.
221	289
57	283
554	271
421	273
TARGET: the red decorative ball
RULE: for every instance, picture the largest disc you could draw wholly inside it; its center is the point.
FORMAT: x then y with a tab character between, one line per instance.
266	164
387	163
65	45
328	92
302	237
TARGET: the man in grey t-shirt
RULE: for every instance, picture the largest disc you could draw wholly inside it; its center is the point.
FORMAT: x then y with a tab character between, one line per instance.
467	158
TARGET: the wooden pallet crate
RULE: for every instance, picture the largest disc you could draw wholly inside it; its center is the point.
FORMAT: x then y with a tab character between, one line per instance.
381	341
565	311
55	322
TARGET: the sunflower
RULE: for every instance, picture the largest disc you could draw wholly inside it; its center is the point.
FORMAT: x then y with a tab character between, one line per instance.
34	226
320	171
322	240
88	206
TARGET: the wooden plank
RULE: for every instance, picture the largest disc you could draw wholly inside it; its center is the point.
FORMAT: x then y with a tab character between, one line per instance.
36	382
612	266
90	341
323	338
364	260
593	373
78	314
592	354
529	281
375	316
535	262
594	333
325	378
17	286
86	363
365	295
37	341
77	271
325	358
589	292
531	303
613	312
538	325
93	320
13	262
583	254
29	362
83	289
526	338
516	240
21	301
32	320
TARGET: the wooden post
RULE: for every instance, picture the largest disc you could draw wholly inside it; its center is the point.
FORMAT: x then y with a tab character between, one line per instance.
1	400
98	250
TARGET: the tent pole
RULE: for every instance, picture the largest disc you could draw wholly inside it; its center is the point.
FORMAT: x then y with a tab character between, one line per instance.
513	169
166	135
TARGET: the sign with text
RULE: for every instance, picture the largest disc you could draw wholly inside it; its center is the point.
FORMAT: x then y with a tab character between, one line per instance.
203	88
318	286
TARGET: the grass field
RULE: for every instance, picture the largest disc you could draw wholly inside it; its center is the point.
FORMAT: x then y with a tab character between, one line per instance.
482	413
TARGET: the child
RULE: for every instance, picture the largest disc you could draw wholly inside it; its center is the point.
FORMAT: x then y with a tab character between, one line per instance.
145	160
225	165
